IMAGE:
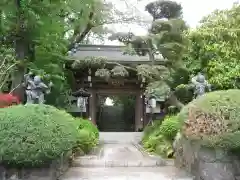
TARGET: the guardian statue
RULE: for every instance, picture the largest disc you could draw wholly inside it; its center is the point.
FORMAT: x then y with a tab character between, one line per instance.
35	89
201	85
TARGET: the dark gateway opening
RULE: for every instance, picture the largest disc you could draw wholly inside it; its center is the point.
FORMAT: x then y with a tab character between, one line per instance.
116	113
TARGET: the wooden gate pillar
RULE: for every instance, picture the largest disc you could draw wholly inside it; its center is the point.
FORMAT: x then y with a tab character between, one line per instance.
139	112
93	106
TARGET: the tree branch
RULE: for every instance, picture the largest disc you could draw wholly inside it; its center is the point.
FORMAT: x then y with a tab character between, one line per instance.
173	101
82	35
122	20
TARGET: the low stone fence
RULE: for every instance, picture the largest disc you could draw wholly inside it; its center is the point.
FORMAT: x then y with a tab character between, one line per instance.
206	163
51	172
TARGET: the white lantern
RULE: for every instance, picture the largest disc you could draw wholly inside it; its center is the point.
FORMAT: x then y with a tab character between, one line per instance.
81	104
89	75
89	78
153	103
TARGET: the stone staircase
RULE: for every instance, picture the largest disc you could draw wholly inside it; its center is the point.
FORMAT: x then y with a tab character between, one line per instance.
119	158
120	137
128	156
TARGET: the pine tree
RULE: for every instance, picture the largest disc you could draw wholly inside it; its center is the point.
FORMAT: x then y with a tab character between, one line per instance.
165	38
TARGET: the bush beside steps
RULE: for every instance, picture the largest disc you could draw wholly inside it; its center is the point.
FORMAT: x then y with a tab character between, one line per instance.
88	136
36	141
158	138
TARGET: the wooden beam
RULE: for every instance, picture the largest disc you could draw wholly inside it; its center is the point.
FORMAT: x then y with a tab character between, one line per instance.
139	118
115	91
97	80
106	86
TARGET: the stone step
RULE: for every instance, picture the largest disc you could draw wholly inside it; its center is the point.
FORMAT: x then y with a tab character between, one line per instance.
121	137
126	173
86	162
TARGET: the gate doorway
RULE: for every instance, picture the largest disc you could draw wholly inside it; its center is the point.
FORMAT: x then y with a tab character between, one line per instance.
116	113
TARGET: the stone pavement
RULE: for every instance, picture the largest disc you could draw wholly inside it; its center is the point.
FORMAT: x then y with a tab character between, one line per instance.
127	173
119	158
119	155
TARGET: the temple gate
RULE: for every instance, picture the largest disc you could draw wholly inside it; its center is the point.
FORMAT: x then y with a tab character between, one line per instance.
85	78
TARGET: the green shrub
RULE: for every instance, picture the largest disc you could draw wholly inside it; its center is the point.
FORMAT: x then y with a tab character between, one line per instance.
164	147
87	124
160	136
33	135
159	145
151	143
88	135
169	127
150	129
86	140
213	119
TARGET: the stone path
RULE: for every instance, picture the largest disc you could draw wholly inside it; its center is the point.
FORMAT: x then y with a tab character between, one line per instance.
121	159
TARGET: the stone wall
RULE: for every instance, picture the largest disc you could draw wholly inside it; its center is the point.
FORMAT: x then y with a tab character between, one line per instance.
51	172
206	163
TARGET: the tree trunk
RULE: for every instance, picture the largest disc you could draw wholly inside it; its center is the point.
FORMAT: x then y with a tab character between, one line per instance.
173	101
79	36
21	50
150	52
17	77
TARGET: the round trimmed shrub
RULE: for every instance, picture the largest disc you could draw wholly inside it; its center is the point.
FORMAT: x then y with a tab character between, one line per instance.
87	124
169	127
213	119
32	135
88	135
86	140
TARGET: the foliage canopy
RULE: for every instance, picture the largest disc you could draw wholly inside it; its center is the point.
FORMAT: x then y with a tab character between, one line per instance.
41	33
214	48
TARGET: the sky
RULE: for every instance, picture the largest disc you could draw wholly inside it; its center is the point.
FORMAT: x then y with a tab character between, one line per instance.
193	11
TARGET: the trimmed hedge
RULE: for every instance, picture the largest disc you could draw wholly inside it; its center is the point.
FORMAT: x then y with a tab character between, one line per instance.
32	135
88	135
87	124
213	119
87	140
